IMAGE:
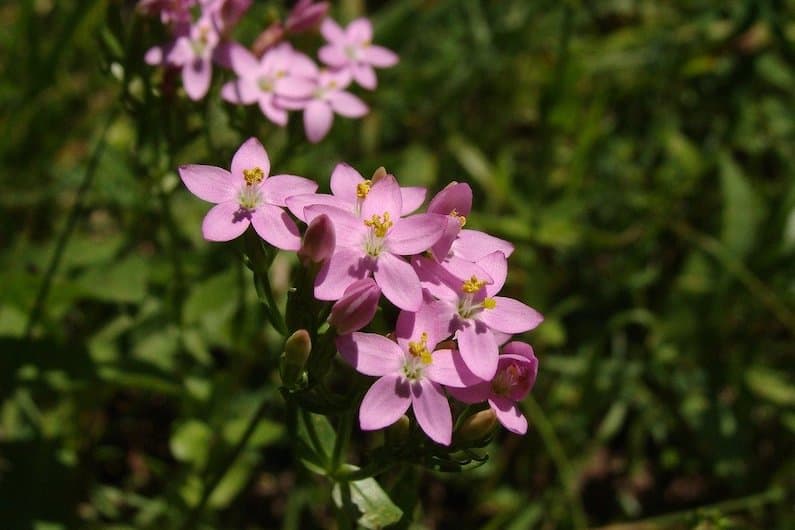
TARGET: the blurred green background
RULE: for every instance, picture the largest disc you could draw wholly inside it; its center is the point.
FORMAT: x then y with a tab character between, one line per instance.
640	154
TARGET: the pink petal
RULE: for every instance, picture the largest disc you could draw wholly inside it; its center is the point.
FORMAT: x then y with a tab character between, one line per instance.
398	282
447	368
294	87
416	234
411	325
301	65
432	411
386	401
276	227
278	188
478	349
348	105
225	222
379	56
209	183
318	118
297	203
365	76
435	279
384	197
370	353
240	60
359	31
510	316
241	92
271	111
155	56
332	55
179	52
349	229
520	348
344	180
496	265
476	393
196	77
473	245
441	249
460	269
357	307
508	414
250	155
345	267
456	196
413	197
331	31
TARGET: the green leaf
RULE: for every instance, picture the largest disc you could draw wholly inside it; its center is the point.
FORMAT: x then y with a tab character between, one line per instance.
376	507
123	281
742	209
771	385
190	442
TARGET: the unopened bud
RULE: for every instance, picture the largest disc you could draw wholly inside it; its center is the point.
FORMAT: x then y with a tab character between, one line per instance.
398	432
378	174
319	240
269	38
297	348
478	426
306	15
357	306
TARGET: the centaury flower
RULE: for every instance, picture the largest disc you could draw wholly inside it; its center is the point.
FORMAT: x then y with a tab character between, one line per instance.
352	49
246	195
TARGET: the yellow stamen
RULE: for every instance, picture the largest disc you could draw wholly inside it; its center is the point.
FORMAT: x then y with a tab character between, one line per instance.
462	220
489	303
420	349
253	176
363	188
379	224
473	285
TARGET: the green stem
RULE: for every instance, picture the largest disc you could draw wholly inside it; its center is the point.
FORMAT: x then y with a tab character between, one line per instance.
71	224
547	431
312	432
195	513
341	443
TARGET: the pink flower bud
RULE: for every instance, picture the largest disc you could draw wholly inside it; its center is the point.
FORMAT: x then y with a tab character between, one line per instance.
357	306
306	15
269	38
319	240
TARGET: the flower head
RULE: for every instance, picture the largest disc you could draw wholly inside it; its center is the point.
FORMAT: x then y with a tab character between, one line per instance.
351	49
246	195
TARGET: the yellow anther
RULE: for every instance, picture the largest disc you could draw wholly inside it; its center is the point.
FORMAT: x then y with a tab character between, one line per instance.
380	224
473	285
420	349
363	188
489	303
462	220
253	176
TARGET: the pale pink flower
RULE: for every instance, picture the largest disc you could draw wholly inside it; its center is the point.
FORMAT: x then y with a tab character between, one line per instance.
372	243
349	189
281	72
516	374
330	97
352	49
410	374
472	312
245	196
357	306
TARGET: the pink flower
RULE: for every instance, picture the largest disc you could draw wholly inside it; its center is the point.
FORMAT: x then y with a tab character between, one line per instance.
410	375
305	15
193	50
247	196
349	189
330	97
472	311
352	49
226	13
515	377
372	243
454	201
281	72
357	306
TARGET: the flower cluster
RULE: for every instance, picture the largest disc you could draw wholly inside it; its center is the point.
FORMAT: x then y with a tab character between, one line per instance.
277	77
452	336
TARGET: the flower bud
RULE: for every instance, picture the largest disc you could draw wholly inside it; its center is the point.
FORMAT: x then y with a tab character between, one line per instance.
398	432
269	38
357	306
319	240
297	348
478	426
306	15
